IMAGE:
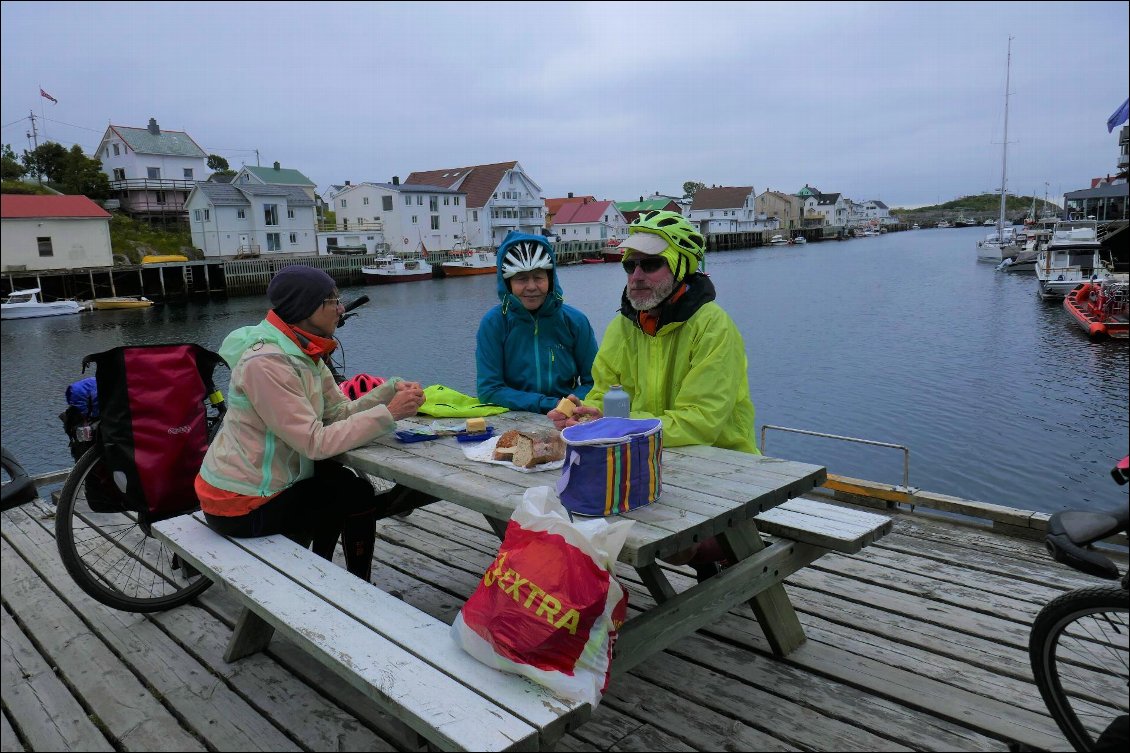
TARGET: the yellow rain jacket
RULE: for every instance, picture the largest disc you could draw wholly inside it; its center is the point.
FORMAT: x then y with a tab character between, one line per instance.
692	374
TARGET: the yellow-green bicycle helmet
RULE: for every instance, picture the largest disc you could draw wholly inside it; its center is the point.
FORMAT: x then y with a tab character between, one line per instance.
679	234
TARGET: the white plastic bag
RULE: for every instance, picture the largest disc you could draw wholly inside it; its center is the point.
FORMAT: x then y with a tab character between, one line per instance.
549	607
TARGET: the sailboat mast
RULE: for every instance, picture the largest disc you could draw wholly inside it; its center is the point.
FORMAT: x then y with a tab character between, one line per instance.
1004	146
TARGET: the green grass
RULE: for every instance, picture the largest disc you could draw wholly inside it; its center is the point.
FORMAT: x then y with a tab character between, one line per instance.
134	240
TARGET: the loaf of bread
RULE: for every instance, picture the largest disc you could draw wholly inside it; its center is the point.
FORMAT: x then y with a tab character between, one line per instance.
504	449
566	406
530	448
537	448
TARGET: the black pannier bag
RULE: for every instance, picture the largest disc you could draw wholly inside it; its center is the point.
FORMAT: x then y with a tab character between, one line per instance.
153	427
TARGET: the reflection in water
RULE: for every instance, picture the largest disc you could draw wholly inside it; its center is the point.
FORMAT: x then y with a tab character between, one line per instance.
903	338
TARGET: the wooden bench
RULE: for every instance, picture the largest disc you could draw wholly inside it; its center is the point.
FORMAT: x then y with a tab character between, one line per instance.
801	531
401	658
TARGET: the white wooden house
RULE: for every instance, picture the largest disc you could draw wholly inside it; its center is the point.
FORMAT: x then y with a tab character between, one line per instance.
53	232
151	171
594	221
397	217
868	212
822	209
251	219
500	197
724	209
276	175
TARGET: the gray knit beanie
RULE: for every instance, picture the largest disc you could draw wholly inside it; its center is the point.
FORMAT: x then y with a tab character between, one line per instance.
297	291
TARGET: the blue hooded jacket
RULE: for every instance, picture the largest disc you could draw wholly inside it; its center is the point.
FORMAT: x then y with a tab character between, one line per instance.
529	360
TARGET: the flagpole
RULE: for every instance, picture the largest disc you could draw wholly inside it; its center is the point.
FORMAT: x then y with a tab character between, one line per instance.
43	113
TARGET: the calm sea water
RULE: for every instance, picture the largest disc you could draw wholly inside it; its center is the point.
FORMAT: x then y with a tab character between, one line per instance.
904	338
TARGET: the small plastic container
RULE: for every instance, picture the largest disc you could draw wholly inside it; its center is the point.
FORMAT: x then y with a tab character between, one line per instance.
480	437
409	437
617	402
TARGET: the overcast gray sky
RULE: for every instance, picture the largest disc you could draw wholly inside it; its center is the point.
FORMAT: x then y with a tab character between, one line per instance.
902	102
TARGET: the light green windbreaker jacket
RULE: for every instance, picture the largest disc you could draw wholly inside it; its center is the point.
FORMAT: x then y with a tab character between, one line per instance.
284	412
691	375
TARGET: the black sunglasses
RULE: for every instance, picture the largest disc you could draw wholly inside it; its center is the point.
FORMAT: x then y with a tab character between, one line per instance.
649	265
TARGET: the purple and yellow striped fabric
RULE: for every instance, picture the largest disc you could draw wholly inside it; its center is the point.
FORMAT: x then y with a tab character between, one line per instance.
612	465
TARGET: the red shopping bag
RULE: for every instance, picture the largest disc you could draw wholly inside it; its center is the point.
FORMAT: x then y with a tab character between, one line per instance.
549	607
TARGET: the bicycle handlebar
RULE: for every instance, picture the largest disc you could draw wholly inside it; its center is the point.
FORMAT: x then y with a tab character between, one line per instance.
349	307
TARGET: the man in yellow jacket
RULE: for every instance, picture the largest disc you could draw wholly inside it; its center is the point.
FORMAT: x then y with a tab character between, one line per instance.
675	351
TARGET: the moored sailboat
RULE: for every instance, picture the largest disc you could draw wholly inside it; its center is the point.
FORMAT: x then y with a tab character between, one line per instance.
998	246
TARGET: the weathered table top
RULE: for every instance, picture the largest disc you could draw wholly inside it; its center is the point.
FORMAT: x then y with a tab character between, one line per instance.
706	490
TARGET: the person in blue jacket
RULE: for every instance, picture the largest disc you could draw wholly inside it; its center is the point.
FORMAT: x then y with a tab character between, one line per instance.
532	349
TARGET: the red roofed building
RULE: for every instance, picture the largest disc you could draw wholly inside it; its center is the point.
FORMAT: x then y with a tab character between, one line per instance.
500	198
53	232
595	221
552	206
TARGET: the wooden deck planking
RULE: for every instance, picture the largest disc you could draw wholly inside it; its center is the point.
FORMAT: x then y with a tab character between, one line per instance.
917	642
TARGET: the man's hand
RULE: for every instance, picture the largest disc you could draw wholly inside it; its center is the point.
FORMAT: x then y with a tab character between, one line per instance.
579	414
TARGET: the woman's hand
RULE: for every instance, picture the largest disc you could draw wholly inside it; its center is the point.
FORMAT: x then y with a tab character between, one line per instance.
407	400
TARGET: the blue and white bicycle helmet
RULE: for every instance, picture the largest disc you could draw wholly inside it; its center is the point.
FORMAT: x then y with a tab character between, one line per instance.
525	256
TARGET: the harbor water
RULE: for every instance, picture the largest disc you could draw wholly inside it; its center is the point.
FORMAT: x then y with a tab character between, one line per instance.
902	338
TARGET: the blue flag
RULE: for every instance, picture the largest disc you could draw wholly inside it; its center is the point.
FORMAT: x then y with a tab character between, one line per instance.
1119	117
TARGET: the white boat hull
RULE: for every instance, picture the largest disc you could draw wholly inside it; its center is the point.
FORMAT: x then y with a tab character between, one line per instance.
34	310
25	304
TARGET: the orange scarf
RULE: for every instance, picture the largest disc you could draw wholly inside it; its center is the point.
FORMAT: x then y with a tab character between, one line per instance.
315	346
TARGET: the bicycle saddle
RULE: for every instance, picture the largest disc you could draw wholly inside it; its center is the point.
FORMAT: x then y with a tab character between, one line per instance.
1070	531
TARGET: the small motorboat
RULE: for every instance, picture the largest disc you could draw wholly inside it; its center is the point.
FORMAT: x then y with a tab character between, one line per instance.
1101	307
25	304
778	240
389	269
470	263
121	302
800	240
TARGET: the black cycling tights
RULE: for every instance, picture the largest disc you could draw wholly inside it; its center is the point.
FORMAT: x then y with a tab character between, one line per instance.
334	502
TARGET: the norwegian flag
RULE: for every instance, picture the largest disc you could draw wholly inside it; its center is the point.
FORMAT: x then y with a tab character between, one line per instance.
45	95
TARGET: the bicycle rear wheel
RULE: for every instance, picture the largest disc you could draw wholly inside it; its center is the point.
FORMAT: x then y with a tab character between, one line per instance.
1078	650
109	554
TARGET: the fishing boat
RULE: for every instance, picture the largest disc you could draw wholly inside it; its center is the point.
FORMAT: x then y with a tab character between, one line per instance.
1101	308
121	302
778	240
612	252
388	269
1070	257
25	304
470	262
1001	244
800	240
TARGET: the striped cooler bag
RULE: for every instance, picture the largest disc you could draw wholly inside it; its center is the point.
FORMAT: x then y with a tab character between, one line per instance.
612	465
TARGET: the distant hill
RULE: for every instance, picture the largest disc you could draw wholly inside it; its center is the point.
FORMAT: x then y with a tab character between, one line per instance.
983	204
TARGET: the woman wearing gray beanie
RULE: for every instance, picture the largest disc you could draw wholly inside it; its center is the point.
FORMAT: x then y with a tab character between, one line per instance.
269	469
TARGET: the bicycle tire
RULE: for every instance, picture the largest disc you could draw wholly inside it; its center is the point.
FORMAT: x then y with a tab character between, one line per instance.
1078	649
110	555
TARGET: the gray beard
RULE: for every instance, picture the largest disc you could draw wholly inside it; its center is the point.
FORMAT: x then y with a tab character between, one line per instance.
658	295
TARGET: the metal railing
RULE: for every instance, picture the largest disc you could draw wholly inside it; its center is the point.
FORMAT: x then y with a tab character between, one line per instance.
905	450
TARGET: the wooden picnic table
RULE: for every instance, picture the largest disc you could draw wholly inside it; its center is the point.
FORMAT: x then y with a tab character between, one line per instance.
706	492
